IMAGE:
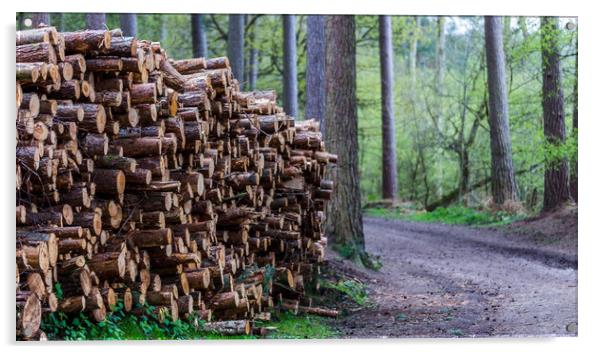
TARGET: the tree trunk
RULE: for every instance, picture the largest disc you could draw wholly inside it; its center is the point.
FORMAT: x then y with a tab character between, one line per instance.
454	195
20	18
574	168
38	18
522	24
556	183
236	45
389	158
315	85
61	27
162	28
506	33
413	54
344	222
290	65
96	21
439	104
502	170
199	36
464	164
251	71
247	52
129	24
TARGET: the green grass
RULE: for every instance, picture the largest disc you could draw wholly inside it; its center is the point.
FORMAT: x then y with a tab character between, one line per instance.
455	215
125	326
353	289
119	326
301	326
385	213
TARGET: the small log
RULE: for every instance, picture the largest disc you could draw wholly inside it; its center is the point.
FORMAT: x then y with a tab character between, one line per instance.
237	327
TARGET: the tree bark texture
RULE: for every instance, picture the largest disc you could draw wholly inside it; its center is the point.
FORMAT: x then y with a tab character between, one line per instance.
439	88
96	21
290	65
129	24
344	221
556	182
574	168
503	183
253	58
389	157
236	45
162	28
315	83
413	56
199	36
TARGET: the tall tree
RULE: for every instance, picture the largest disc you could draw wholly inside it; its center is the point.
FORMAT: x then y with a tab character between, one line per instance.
38	18
344	221
574	168
247	52
20	18
507	33
236	45
253	66
503	182
522	24
290	65
556	182
413	55
96	21
199	36
61	26
439	88
389	157
251	52
418	142
315	83
163	28
129	24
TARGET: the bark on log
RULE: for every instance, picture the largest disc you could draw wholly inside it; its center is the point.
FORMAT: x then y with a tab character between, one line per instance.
237	327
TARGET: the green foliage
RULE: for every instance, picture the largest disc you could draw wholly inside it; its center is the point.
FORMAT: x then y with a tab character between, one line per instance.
458	215
301	326
427	163
345	250
351	288
424	161
267	277
385	213
555	153
454	215
120	325
58	291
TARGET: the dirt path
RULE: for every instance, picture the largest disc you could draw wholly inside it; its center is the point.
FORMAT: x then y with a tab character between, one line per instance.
442	281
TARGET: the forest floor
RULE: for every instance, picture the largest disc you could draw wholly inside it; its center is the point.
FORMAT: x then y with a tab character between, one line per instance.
457	281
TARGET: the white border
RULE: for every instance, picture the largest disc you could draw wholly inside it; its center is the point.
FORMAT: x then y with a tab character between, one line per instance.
590	315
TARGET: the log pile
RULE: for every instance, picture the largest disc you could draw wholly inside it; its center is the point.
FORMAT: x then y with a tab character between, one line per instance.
157	181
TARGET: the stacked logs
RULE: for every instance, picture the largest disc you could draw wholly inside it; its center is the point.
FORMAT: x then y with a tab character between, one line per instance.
157	181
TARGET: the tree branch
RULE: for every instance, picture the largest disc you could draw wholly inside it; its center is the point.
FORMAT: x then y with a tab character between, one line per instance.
223	35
